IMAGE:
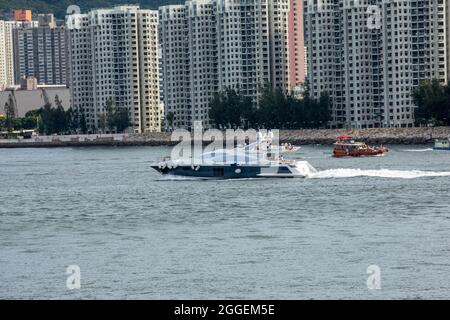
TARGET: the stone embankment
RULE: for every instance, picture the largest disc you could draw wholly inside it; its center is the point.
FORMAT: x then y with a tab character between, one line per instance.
297	137
371	136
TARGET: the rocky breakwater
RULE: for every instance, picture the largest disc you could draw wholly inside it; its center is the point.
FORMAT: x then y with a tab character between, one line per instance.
149	139
377	136
407	136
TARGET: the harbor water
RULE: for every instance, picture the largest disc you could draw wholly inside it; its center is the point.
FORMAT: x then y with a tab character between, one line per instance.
138	235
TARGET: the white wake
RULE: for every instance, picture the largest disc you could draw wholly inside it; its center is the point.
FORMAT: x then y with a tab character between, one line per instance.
419	150
381	173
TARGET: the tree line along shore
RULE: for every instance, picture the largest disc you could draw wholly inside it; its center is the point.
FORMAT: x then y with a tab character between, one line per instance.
300	120
227	109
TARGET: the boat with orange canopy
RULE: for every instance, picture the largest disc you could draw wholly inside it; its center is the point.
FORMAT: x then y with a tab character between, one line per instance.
345	146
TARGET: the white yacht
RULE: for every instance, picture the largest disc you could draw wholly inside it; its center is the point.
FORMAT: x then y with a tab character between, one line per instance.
257	160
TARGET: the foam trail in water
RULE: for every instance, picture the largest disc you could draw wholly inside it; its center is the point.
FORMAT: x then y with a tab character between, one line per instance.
382	173
419	150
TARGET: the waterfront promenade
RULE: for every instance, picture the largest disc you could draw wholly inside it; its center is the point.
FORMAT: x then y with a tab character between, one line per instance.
408	136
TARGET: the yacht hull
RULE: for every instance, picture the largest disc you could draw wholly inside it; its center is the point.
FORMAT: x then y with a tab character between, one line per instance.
231	171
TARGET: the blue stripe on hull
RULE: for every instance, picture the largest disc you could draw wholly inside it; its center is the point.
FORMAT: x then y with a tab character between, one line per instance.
441	149
220	172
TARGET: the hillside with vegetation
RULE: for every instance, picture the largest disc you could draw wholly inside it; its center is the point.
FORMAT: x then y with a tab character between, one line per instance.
59	7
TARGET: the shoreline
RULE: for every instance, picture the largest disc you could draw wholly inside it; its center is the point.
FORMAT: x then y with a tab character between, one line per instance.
385	136
376	136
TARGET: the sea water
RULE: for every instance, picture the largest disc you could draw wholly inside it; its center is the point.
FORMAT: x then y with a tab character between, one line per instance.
136	234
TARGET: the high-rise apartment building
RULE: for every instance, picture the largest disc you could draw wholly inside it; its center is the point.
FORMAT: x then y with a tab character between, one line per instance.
40	51
7	52
210	45
113	54
368	56
6	55
189	60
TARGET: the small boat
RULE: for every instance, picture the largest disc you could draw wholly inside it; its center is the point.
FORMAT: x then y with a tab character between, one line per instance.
288	148
345	146
283	148
442	144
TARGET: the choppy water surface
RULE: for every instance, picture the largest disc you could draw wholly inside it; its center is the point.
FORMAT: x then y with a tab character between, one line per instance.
135	234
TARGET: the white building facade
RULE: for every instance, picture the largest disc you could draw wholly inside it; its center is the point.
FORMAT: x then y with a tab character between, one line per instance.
6	55
210	45
369	55
113	54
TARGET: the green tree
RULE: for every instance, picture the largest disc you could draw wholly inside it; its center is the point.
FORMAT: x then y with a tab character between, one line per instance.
170	117
10	113
122	119
50	120
117	118
72	120
275	110
110	114
318	113
32	120
217	111
102	122
433	103
2	121
266	109
60	121
25	123
228	109
83	124
76	121
47	125
29	123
